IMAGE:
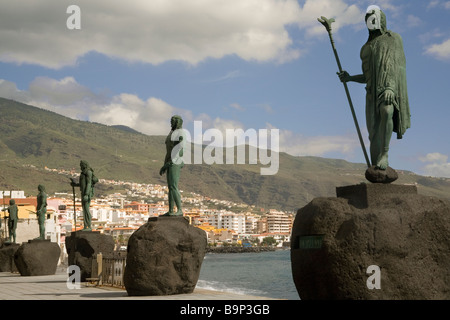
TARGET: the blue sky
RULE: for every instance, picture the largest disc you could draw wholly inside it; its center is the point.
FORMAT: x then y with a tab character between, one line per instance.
231	64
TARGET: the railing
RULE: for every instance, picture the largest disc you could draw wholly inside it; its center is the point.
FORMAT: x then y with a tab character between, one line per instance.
112	269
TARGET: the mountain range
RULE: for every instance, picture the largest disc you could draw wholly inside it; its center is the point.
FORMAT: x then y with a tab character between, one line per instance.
32	139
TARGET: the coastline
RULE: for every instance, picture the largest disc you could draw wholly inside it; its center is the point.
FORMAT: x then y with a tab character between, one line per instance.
254	271
234	249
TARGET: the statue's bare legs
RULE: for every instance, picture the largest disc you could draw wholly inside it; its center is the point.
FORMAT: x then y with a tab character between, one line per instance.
174	196
385	130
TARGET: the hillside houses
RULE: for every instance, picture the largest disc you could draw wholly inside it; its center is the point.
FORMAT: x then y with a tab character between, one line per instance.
119	216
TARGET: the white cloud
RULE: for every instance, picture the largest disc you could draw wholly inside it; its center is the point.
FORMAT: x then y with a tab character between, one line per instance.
431	35
230	75
237	106
158	31
301	145
433	4
71	99
438	3
147	31
437	165
440	51
338	9
435	157
413	21
266	108
9	90
151	116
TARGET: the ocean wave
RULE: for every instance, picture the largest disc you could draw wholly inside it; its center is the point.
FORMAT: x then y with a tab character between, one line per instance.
225	287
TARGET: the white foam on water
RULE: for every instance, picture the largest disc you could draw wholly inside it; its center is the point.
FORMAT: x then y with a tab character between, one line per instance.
223	287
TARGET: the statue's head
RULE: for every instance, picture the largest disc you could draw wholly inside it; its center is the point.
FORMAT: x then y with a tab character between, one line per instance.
12	202
41	188
84	164
375	19
176	122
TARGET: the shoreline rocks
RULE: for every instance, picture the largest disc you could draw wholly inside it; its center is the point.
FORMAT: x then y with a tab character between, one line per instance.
234	249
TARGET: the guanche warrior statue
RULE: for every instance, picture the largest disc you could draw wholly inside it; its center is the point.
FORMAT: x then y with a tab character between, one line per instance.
86	183
41	211
12	220
384	72
173	163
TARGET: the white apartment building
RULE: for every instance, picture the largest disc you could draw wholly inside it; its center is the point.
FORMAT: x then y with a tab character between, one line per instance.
228	220
106	214
14	194
251	223
278	222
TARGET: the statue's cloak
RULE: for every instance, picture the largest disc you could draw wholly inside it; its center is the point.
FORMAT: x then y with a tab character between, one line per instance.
384	67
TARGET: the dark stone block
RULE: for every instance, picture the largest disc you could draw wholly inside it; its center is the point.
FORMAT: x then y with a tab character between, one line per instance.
364	195
7	252
82	246
164	257
335	240
37	258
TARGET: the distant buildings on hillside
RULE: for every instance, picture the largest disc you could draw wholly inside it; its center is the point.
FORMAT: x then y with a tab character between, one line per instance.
119	217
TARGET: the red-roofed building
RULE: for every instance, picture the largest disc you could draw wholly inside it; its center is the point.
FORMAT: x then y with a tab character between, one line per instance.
137	206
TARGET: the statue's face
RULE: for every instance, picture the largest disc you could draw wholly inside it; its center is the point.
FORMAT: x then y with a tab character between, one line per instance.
176	122
373	18
372	22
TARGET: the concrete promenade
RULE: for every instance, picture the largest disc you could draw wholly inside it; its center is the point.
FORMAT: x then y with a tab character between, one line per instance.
13	286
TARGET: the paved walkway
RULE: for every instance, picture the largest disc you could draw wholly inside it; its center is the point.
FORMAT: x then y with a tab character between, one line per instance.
13	286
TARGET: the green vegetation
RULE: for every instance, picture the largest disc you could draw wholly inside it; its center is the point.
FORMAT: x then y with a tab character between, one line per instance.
32	139
269	241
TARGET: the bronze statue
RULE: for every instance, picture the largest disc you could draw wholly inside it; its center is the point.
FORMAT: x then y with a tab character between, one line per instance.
86	183
41	210
173	163
384	72
12	219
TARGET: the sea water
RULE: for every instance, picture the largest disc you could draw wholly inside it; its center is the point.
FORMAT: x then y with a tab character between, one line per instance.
266	274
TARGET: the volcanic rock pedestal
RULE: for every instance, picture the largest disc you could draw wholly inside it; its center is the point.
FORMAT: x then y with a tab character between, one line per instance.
164	257
7	251
338	244
376	175
83	246
37	258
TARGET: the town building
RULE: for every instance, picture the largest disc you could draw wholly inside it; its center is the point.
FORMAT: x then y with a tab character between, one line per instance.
228	220
279	222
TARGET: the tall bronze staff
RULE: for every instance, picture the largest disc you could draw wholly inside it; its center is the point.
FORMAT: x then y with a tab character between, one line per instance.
4	216
327	24
74	208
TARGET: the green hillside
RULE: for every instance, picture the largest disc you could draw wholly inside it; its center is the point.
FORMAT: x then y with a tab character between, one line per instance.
32	139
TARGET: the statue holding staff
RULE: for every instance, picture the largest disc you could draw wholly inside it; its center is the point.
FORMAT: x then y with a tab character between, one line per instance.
12	220
86	183
384	73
